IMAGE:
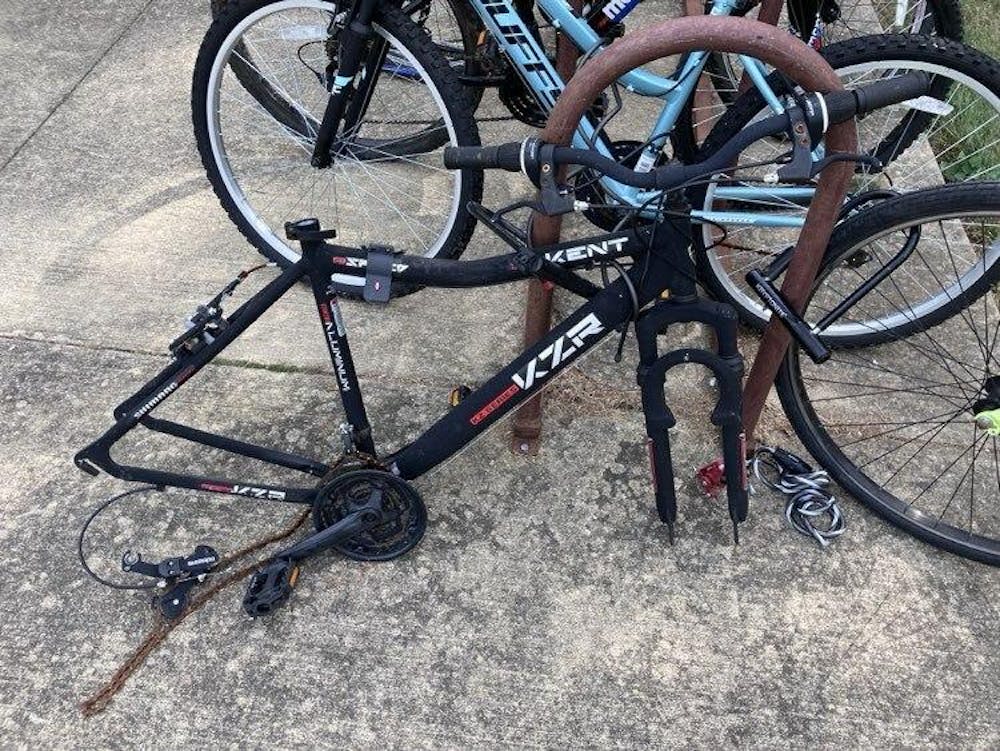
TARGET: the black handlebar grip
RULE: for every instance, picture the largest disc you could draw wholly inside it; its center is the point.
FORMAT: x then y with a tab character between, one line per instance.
844	105
506	156
881	94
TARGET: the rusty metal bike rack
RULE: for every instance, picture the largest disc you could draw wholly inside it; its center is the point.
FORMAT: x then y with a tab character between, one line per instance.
538	297
780	50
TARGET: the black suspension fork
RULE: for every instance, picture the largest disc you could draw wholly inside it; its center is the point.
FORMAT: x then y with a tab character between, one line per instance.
353	41
374	60
727	366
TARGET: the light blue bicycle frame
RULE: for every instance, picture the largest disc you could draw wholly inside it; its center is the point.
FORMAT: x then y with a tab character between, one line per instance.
534	67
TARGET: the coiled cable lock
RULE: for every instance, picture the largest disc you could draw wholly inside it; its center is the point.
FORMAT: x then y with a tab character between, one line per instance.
810	508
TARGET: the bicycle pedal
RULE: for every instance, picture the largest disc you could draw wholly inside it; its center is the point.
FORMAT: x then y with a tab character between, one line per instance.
711	478
270	587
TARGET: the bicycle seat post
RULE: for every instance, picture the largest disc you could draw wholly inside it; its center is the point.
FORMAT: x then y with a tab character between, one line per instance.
310	236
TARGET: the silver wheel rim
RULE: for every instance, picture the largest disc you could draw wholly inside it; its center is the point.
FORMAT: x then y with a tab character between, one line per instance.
221	158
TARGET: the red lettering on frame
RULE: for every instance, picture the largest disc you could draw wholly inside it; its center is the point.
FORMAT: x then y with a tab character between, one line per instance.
502	398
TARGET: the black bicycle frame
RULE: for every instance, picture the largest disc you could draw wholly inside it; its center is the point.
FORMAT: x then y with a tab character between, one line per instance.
606	310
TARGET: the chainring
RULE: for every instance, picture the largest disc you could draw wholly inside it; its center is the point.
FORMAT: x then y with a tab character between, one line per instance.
521	103
405	511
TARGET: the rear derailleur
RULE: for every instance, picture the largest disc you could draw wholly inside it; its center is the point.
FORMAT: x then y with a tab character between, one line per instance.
176	576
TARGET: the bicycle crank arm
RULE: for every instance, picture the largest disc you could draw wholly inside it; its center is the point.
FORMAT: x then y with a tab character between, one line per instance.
350	526
272	585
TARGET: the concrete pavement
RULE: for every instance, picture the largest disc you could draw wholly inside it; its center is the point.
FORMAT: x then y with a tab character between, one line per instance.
543	608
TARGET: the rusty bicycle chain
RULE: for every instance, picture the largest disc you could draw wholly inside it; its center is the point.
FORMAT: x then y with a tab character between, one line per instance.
99	700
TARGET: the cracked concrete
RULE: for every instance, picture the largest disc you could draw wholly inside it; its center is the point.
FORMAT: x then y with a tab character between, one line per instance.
543	608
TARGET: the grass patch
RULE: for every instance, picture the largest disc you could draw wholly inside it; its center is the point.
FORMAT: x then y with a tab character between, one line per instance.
977	155
982	25
982	31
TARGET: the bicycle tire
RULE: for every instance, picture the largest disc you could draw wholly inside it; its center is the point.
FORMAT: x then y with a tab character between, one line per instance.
960	61
943	18
852	236
454	112
466	22
467	58
856	414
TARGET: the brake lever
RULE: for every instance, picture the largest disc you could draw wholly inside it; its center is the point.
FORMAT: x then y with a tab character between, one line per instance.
795	173
802	167
554	200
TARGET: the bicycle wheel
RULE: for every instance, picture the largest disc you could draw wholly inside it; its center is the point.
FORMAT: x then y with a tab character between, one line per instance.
455	29
452	24
919	149
847	19
910	427
387	184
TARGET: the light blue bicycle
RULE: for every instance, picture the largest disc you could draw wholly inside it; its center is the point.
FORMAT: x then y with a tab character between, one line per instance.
270	73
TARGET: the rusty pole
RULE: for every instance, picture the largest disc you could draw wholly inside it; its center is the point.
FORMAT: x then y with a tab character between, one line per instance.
770	11
795	59
545	230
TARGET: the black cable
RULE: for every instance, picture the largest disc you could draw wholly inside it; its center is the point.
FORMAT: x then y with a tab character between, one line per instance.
83	531
319	75
598	176
810	509
664	214
708	178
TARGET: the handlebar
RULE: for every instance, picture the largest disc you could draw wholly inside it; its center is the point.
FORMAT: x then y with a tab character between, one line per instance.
844	105
506	156
818	110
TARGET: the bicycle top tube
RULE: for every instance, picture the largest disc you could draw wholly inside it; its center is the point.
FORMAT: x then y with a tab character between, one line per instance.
586	39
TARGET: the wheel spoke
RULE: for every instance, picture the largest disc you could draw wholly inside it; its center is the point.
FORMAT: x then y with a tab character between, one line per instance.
266	102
